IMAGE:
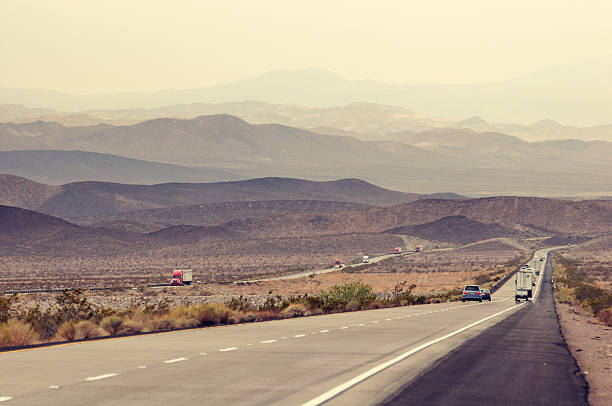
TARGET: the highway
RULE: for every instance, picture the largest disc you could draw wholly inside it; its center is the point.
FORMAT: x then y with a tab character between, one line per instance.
366	357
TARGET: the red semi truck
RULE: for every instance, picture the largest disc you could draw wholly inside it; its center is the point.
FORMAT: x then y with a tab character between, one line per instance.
397	250
181	277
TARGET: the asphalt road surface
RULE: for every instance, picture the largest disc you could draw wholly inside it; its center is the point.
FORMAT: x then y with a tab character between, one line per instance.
521	360
354	358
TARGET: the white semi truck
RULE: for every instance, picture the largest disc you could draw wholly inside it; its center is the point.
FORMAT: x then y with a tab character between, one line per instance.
524	281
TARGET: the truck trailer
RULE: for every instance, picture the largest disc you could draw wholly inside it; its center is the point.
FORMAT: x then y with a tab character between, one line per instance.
181	277
524	284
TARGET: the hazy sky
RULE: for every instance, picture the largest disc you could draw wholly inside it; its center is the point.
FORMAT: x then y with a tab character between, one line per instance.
87	46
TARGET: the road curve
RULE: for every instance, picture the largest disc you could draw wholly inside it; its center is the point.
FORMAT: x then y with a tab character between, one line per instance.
347	358
521	360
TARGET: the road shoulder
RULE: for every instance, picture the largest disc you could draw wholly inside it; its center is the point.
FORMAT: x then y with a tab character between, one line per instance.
591	345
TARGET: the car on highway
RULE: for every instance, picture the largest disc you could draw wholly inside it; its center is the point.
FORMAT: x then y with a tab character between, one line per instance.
486	294
471	292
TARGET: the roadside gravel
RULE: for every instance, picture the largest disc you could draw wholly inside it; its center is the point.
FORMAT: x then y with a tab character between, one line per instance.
591	345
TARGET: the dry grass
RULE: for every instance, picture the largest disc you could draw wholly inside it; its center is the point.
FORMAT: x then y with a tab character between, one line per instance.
16	333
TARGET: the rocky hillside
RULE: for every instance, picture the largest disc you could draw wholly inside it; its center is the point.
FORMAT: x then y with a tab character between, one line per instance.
455	229
547	215
94	198
25	193
26	232
216	213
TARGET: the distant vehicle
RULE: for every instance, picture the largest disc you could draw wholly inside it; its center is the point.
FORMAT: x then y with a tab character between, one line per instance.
397	250
366	259
471	292
181	277
337	264
417	249
524	284
486	294
541	259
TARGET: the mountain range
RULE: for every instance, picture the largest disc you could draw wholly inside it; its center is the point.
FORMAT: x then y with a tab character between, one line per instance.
99	198
26	232
547	93
224	147
366	121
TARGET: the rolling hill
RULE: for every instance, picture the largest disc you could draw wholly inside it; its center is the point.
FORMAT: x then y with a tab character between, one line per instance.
548	216
456	229
26	232
215	213
94	198
59	167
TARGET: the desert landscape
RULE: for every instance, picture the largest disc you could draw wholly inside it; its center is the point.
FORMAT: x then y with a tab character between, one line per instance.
214	203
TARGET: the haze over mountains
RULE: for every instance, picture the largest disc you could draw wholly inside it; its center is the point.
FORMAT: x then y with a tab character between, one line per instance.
224	147
367	121
530	98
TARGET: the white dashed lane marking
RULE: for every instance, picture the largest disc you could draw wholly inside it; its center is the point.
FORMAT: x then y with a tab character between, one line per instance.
299	335
97	378
5	398
268	341
343	328
228	349
323	331
53	387
172	361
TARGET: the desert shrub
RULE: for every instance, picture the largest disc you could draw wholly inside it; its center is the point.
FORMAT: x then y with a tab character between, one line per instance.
482	279
73	306
161	307
134	325
377	304
6	303
241	304
207	314
402	294
87	329
15	333
66	331
337	297
352	306
112	324
248	318
294	310
44	323
274	303
183	322
605	316
266	315
162	323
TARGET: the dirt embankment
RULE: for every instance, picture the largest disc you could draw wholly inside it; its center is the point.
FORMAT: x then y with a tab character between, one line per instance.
591	344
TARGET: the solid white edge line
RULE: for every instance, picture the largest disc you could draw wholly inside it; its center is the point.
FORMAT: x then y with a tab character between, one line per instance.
96	378
172	361
5	398
373	371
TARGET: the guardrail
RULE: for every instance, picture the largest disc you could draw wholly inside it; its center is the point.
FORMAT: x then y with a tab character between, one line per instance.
56	290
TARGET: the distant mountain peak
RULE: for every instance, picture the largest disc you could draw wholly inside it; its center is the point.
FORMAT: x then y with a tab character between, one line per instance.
475	121
548	123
